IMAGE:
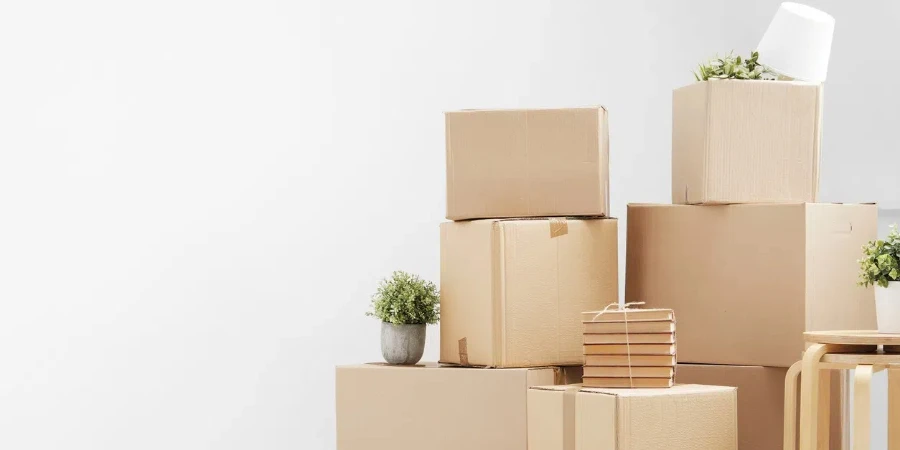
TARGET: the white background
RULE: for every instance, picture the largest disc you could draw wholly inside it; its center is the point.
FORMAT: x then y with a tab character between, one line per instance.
198	197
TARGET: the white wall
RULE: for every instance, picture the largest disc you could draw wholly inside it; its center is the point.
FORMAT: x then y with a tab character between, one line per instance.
198	197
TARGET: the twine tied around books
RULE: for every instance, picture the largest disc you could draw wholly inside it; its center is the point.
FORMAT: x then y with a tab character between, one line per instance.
624	308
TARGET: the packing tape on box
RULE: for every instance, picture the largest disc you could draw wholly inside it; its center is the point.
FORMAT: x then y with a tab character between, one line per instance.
558	227
463	352
569	418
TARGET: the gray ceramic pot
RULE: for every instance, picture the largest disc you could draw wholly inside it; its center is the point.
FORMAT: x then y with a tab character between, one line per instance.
402	344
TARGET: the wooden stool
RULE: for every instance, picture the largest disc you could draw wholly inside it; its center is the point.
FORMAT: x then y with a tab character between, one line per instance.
841	350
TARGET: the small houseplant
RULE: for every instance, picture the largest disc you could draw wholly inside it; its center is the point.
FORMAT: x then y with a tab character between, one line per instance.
880	267
733	67
405	304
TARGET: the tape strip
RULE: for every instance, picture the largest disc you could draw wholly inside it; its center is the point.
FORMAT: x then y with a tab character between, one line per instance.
569	418
558	227
463	352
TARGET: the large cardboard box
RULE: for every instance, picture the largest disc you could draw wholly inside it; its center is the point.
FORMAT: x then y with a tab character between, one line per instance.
382	407
761	401
512	291
527	163
746	281
683	417
740	141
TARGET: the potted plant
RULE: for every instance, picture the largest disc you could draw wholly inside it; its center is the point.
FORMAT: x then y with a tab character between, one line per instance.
880	266
405	304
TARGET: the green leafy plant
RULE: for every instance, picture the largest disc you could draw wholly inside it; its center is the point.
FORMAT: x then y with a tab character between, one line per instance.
406	299
880	263
730	66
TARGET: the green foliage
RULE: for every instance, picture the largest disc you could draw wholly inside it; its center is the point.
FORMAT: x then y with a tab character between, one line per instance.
730	66
406	299
880	263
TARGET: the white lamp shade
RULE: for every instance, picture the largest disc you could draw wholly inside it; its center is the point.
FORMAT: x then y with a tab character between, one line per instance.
798	42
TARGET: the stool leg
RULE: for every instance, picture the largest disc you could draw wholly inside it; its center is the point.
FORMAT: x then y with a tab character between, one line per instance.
862	403
824	411
791	382
894	409
809	398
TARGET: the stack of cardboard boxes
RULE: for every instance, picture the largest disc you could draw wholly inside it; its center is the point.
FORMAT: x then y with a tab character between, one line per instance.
529	248
744	256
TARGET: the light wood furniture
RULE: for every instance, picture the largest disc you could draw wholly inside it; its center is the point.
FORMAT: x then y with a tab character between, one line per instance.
866	351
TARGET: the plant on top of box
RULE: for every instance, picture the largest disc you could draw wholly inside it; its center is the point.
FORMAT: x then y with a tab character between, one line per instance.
733	67
880	267
405	304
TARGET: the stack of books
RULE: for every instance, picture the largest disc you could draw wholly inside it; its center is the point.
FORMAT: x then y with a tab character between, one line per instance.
629	348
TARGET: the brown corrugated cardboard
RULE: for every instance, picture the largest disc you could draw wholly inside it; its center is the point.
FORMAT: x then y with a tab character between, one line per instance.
760	401
747	280
512	291
683	417
739	141
382	407
527	163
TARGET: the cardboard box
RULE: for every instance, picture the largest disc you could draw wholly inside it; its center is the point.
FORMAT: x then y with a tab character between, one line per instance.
740	141
527	163
746	281
512	291
683	417
381	407
569	417
760	401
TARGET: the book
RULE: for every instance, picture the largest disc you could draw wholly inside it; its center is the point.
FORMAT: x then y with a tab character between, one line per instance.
633	349
624	360
634	372
633	315
627	383
632	327
655	338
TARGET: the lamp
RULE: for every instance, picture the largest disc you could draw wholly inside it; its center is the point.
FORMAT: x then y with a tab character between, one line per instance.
797	43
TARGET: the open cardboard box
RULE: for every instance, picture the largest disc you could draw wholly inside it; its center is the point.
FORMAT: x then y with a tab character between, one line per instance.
746	141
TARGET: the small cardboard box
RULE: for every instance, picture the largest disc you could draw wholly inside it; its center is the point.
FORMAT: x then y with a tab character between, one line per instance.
527	163
761	401
683	417
382	407
747	280
745	141
512	291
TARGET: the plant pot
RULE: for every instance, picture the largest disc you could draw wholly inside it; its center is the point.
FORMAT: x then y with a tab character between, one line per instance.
887	307
402	344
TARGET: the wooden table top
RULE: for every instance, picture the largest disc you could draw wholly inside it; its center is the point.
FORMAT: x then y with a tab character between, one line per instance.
852	337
